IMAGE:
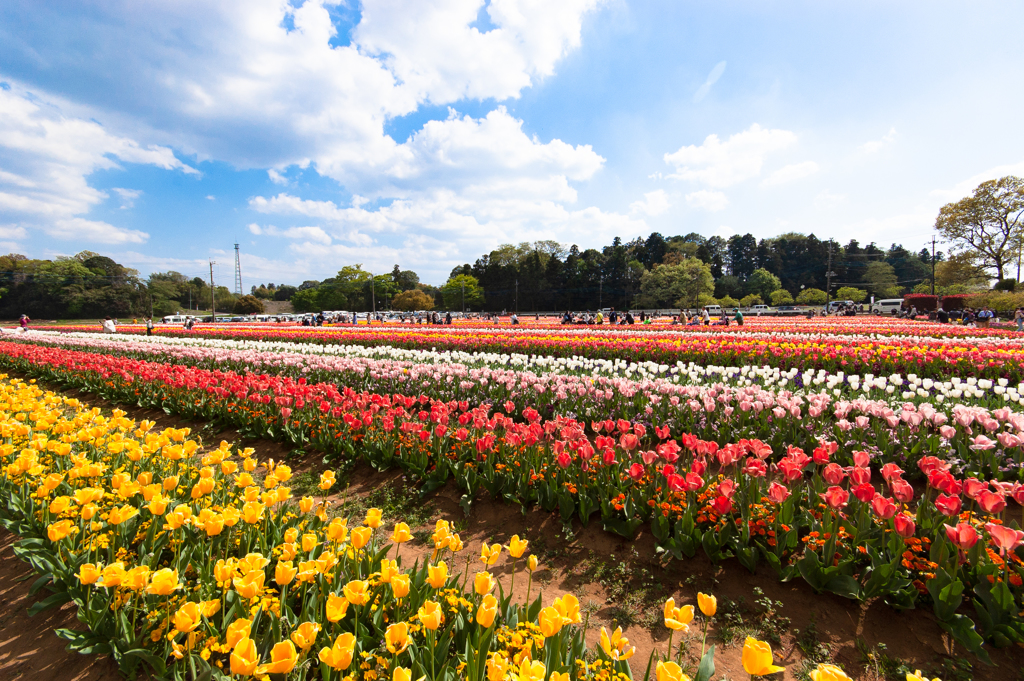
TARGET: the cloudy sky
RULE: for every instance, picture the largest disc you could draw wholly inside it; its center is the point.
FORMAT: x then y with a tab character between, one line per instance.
426	132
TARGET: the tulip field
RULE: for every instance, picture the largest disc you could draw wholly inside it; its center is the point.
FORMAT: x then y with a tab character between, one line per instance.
874	460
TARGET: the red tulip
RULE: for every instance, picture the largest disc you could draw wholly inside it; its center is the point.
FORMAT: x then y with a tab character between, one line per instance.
905	526
963	535
1005	538
948	506
778	493
884	508
864	493
991	502
836	497
636	471
833	474
722	505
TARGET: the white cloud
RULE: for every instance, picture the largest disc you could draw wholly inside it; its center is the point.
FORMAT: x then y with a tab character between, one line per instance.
311	234
723	164
128	196
791	172
276	177
967	186
874	146
48	157
828	200
653	204
724	231
211	197
710	201
712	78
12	232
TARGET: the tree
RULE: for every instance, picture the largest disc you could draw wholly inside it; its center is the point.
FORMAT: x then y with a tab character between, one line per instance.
728	285
782	297
409	301
880	278
811	296
248	305
960	269
463	285
676	285
751	300
989	222
728	301
305	300
850	293
763	283
284	292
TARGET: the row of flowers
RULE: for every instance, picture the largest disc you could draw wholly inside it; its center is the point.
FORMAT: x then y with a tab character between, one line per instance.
929	357
857	530
973	439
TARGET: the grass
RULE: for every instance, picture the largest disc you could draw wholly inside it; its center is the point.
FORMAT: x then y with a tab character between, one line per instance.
634	594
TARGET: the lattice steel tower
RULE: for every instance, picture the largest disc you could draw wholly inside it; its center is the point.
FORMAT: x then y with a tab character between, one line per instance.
238	273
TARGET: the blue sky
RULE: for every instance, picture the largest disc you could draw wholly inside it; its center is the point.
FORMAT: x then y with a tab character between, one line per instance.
319	134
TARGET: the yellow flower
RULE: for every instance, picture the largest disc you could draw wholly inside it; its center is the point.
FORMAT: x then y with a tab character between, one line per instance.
678	619
309	542
137	578
517	546
497	668
401	674
360	536
430	615
614	645
486	612
670	671
249	585
531	670
489	554
357	592
829	672
170	482
214	525
336	607
568	606
483	583
437	575
244	657
210	608
237	630
339	656
161	583
252	512
707	604
374	516
757	658
442	534
455	543
282	659
556	676
550	622
337	531
401	534
253	561
305	635
397	638
326	480
60	529
288	551
59	505
400	585
388	569
531	563
224	571
188	617
88	573
284	572
918	676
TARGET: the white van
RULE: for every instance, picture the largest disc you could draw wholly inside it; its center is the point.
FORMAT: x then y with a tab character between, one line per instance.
889	306
713	309
173	319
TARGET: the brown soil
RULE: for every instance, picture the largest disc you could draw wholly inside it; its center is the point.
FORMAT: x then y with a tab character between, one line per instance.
581	562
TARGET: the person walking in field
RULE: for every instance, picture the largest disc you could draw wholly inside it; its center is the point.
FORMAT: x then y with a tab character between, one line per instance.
149	326
1018	317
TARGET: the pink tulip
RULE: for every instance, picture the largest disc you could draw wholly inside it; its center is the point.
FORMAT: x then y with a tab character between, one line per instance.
1005	538
963	535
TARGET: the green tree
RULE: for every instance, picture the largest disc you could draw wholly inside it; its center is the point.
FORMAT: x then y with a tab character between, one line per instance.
728	301
452	292
751	300
880	279
850	293
675	285
782	297
248	305
415	299
989	223
811	296
763	283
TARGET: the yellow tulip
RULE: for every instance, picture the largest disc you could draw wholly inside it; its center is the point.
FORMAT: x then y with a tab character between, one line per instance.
401	674
360	536
88	511
430	615
210	608
252	512
339	656
309	542
678	619
326	480
559	676
487	611
568	606
497	668
489	554
388	569
829	672
250	585
170	482
437	575
237	630
442	534
757	658
88	573
59	505
284	572
357	592
188	617
670	671
60	529
400	586
288	551
337	531
550	622
374	516
291	535
224	571
614	645
397	638
137	578
305	635
214	525
401	534
158	505
531	563
282	659
517	547
483	583
162	582
244	657
336	607
707	604
531	670
455	543
918	676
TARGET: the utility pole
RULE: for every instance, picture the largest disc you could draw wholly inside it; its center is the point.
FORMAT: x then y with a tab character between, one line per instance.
213	301
933	266
463	296
373	294
517	296
828	276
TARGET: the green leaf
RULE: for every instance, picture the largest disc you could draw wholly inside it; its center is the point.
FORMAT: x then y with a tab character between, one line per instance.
51	601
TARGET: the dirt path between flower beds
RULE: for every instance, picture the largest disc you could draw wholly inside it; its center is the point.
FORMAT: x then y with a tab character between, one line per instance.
617	580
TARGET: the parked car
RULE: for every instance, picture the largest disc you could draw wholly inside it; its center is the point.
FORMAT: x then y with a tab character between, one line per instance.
887	306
